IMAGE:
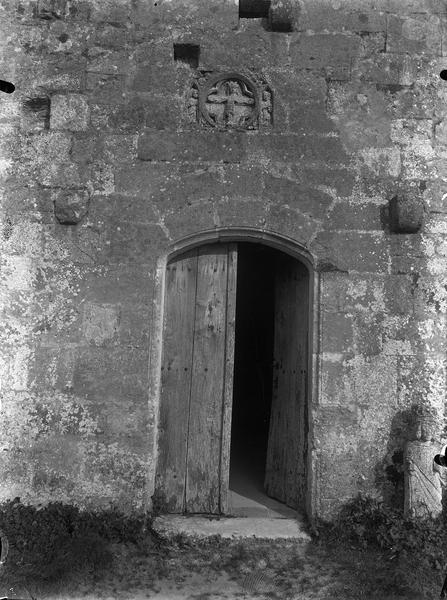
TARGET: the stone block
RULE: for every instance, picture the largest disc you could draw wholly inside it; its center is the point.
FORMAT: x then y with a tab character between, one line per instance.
333	293
335	386
283	15
100	323
441	133
360	217
214	15
291	223
249	50
111	62
110	371
360	114
108	36
36	114
125	242
368	339
69	112
399	294
190	187
155	78
337	333
323	17
406	211
299	86
415	102
119	148
311	201
379	162
371	45
53	75
360	295
105	88
351	251
295	149
111	12
238	212
70	206
190	219
64	174
118	285
330	54
144	179
134	325
156	145
421	378
410	7
417	34
99	176
128	117
48	10
309	119
115	206
406	254
415	134
240	181
341	180
162	112
29	204
385	69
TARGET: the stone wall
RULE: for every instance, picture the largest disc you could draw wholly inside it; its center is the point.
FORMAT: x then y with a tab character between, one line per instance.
105	166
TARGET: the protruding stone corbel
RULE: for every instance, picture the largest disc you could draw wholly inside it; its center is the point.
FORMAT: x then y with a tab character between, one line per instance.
70	206
283	15
407	211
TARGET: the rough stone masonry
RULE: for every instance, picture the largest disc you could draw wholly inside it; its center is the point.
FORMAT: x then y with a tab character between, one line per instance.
327	129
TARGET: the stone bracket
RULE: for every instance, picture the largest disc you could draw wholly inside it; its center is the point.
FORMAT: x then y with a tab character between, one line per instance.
406	211
70	206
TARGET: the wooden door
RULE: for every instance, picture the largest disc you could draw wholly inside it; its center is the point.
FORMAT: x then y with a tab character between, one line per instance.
285	476
196	385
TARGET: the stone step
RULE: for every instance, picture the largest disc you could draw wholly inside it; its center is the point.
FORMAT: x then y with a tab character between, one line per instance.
231	527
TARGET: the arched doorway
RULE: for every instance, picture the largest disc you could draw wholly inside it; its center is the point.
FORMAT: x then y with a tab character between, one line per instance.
234	378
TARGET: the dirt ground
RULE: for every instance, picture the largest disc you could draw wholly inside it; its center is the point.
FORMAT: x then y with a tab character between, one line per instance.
218	569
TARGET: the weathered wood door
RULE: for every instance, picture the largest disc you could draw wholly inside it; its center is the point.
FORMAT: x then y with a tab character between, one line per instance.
285	476
197	380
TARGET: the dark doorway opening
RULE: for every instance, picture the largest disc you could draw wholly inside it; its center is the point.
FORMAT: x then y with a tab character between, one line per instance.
253	359
253	379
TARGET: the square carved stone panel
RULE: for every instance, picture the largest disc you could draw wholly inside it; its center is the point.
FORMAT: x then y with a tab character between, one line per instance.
230	101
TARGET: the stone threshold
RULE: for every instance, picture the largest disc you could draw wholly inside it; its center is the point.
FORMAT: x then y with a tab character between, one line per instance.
231	527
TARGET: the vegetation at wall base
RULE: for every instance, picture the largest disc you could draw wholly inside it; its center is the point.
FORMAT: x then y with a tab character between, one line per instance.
47	543
413	550
369	551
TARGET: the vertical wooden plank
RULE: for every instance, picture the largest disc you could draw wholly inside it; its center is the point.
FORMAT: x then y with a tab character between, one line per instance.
286	468
297	405
230	322
275	477
181	282
207	384
303	386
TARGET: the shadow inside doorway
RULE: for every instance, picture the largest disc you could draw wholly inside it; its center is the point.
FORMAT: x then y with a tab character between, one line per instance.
253	380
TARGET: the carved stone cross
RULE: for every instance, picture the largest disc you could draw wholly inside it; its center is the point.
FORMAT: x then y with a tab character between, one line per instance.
230	101
236	100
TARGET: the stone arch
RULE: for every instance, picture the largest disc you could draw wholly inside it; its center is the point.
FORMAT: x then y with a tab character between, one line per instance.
244	234
274	240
